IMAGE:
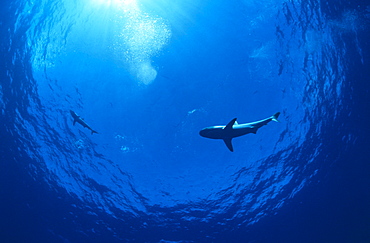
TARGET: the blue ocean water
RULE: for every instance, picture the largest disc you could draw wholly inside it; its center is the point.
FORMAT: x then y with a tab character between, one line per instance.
148	76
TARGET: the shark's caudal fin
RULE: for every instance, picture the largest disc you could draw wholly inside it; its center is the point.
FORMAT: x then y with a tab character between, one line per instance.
275	117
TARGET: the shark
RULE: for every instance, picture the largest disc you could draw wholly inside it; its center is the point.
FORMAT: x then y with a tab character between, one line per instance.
233	130
78	119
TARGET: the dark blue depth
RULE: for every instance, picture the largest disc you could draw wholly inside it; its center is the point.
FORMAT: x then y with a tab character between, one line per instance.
148	77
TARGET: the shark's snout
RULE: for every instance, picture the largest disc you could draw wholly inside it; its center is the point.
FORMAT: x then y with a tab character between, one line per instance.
202	133
206	132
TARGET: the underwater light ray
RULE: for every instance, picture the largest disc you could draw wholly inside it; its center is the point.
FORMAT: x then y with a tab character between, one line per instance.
140	36
113	3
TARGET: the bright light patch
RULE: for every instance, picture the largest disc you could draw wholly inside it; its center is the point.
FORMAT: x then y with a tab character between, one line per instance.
145	73
142	36
113	3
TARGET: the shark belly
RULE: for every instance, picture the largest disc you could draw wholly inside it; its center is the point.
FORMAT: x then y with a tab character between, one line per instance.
240	131
212	132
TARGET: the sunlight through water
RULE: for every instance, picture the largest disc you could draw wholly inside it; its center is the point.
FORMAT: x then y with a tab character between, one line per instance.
148	169
118	27
144	36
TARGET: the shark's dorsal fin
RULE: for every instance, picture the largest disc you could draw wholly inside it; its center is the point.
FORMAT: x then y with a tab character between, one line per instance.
229	144
230	124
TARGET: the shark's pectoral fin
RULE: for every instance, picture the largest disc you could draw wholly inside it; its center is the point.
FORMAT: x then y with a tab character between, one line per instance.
228	129
229	144
74	122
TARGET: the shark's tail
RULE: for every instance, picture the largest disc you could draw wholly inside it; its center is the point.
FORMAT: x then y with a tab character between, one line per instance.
275	117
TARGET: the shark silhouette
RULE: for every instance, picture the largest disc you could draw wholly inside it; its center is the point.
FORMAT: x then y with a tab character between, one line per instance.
233	130
78	119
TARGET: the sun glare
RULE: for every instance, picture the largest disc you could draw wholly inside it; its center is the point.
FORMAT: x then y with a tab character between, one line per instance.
139	35
114	3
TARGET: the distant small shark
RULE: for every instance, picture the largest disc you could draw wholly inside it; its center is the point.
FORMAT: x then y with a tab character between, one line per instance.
233	130
78	119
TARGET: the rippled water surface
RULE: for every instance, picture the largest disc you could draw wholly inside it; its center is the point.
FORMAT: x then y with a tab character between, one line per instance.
147	76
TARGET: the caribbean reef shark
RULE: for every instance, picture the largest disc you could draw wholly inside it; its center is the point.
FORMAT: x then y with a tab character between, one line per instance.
78	119
233	130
